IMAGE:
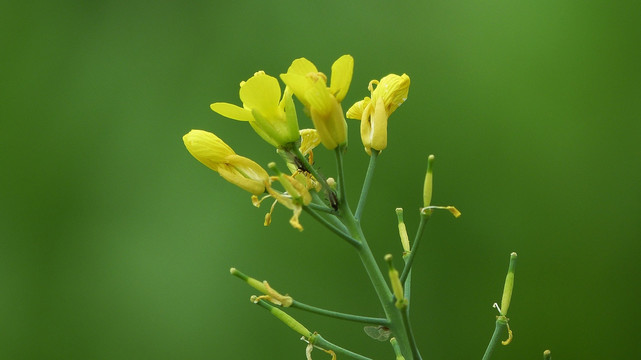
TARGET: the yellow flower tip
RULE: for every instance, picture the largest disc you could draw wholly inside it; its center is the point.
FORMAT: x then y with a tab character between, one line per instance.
454	211
254	299
233	271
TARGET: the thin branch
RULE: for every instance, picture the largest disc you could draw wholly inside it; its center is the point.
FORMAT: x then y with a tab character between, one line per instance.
318	340
338	315
355	243
366	184
341	174
417	241
410	334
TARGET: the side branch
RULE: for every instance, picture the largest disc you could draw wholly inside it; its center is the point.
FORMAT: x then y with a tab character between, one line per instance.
417	241
338	315
355	243
366	184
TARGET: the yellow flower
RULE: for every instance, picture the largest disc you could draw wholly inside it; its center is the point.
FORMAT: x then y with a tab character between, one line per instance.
273	118
323	103
391	91
210	150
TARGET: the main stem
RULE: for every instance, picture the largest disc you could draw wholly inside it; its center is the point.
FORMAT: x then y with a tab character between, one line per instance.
383	292
501	324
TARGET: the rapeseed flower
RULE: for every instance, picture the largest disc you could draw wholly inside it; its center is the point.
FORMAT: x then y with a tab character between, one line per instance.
323	103
272	117
390	92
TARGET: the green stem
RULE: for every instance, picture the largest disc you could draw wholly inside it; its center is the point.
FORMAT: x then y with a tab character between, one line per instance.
317	339
501	324
410	333
407	289
366	184
314	338
341	175
355	243
338	315
417	241
393	314
331	218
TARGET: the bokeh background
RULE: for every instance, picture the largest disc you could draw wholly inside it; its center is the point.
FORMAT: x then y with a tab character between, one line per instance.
116	244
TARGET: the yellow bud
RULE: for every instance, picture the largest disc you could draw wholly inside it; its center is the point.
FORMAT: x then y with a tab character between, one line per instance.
218	156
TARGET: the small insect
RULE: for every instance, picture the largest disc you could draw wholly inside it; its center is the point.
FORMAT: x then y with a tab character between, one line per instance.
299	164
380	333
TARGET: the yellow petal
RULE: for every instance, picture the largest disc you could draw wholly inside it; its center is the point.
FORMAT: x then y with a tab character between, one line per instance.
342	71
261	92
230	174
207	148
302	66
319	99
379	126
293	221
394	90
356	111
282	199
309	140
248	168
366	127
299	84
232	111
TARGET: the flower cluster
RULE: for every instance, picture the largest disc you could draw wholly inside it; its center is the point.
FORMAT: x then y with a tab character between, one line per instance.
271	112
272	115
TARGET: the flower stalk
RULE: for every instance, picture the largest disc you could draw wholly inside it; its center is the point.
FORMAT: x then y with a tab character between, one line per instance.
272	115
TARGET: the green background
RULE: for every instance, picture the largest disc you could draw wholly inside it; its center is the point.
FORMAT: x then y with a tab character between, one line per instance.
115	243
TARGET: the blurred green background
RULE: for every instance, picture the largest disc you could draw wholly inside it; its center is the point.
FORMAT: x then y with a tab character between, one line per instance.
115	243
